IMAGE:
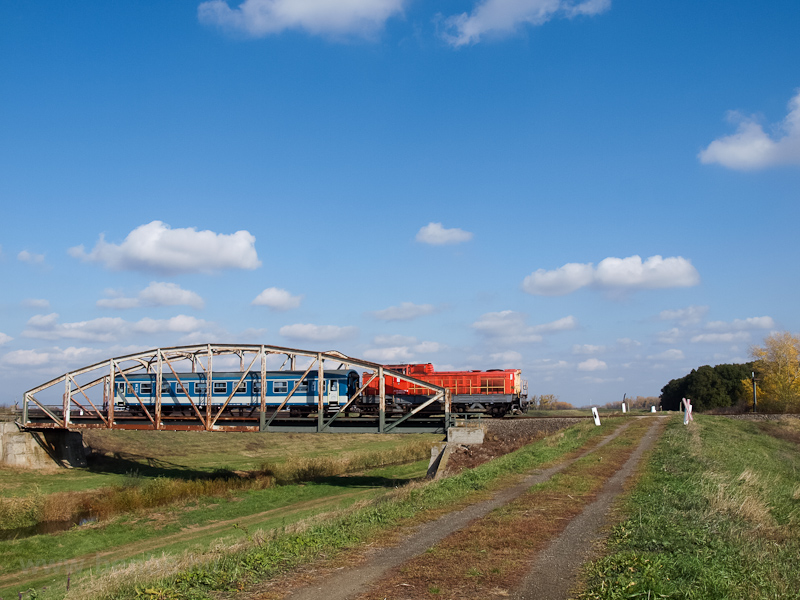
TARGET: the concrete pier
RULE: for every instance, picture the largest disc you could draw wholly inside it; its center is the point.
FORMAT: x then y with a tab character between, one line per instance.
44	449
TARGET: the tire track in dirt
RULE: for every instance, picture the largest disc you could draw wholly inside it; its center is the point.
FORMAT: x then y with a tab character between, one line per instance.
556	568
348	583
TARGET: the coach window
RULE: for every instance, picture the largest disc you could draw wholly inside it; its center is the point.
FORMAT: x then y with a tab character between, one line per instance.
241	388
146	389
303	387
220	387
165	387
280	387
256	387
200	389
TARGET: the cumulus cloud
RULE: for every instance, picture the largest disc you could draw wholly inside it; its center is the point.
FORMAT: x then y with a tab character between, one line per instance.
260	18
670	336
503	17
592	364
673	354
158	293
277	299
59	359
684	316
436	235
398	349
5	338
405	312
510	327
721	338
612	273
30	257
587	349
317	333
742	324
751	148
157	247
509	359
106	329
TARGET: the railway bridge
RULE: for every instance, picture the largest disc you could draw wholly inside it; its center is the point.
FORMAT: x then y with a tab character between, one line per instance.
222	387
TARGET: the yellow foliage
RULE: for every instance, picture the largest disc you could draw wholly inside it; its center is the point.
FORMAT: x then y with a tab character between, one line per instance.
778	373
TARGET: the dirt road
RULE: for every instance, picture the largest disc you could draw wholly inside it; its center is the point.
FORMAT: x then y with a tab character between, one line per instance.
553	570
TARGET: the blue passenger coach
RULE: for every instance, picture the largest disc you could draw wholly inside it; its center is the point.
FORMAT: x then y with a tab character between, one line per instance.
340	385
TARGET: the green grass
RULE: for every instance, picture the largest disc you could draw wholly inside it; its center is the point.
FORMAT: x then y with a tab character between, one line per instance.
333	493
203	573
714	515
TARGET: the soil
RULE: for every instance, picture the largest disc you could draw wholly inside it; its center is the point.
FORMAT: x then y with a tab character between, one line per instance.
503	436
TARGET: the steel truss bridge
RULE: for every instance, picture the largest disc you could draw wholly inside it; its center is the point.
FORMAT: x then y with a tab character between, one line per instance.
87	400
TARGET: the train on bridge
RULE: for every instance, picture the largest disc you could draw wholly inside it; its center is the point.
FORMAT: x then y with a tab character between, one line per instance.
495	392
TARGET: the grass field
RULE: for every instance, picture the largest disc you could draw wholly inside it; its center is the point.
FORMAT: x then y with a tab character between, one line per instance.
133	464
716	515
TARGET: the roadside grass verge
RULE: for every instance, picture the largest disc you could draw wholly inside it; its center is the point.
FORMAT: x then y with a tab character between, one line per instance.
492	555
715	514
202	573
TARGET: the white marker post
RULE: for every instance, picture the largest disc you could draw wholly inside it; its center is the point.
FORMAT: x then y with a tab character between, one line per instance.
687	411
653	409
596	416
624	408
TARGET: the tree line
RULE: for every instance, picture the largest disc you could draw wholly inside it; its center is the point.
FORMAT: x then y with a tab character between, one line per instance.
775	365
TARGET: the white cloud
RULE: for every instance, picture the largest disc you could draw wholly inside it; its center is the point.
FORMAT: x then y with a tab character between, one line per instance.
685	316
510	327
36	303
47	327
673	354
107	329
259	18
277	299
176	324
611	273
742	324
317	333
158	293
392	354
628	343
157	247
26	358
394	340
399	348
587	349
436	235
58	360
510	359
721	338
563	324
30	257
751	148
592	364
502	17
670	336
405	312
4	338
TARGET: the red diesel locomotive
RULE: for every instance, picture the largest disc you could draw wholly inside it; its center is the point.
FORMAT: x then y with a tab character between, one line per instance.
496	391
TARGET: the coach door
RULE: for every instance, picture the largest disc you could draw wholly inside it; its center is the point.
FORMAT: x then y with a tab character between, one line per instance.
333	392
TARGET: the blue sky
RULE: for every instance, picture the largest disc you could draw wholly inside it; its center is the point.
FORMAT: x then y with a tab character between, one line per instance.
603	193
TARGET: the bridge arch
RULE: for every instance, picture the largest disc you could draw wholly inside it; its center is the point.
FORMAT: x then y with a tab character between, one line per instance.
89	397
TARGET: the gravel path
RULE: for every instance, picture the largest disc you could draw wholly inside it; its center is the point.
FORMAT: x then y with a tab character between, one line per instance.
348	583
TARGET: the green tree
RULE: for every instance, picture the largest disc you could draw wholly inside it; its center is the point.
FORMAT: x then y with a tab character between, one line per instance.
708	387
778	372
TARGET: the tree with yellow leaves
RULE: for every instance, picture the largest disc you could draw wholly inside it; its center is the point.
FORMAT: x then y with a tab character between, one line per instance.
777	366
